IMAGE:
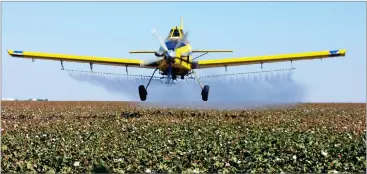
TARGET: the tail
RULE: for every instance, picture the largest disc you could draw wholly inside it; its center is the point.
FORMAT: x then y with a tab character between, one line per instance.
181	24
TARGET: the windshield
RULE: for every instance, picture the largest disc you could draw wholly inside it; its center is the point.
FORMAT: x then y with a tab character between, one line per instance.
170	33
176	33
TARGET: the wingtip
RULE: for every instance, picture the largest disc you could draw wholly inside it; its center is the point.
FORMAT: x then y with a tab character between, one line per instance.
15	52
10	52
342	52
338	52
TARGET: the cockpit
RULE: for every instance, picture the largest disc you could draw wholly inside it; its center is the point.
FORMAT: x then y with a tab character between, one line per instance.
176	33
173	38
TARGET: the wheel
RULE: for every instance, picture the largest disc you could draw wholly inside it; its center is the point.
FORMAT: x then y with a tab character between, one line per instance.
174	76
182	77
205	93
142	93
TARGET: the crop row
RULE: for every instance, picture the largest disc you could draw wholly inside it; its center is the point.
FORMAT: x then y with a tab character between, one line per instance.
116	137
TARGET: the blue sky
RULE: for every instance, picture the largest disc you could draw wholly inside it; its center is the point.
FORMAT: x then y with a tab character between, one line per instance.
249	28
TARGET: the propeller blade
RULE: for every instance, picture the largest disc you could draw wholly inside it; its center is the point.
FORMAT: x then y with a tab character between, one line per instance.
149	62
154	32
182	40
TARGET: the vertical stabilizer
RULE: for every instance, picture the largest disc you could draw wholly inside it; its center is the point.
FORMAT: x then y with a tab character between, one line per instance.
181	23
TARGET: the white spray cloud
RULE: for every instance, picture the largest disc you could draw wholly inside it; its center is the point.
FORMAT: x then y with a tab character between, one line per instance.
225	92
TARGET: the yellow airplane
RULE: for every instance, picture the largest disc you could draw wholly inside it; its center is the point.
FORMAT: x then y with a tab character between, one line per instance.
175	57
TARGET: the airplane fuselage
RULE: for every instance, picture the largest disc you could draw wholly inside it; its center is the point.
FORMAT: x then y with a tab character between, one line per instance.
181	62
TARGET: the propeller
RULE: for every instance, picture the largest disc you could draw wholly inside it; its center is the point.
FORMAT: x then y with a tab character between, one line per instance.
163	46
154	32
169	54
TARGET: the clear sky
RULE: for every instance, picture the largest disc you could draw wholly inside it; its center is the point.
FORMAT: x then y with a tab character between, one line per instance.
249	28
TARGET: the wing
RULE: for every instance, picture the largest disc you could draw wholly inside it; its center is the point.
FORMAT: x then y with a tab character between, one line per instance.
78	58
268	59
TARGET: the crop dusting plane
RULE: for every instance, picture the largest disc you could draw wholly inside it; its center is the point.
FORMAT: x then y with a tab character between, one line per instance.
175	58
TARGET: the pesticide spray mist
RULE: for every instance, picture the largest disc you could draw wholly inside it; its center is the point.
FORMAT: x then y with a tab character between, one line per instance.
225	93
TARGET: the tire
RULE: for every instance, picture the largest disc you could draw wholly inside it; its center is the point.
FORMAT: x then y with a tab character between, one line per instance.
142	93
205	93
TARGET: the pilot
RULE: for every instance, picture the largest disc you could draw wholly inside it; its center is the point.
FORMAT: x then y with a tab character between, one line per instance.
176	33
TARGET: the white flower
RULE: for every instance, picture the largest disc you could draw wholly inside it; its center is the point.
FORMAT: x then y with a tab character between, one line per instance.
148	171
195	171
294	157
76	163
323	153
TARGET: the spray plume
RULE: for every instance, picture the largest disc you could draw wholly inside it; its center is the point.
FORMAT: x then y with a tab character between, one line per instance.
225	93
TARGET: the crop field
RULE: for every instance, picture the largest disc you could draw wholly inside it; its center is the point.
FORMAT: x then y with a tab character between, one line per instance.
78	137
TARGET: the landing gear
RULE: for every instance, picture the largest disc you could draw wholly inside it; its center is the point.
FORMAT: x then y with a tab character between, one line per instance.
205	93
204	90
142	93
143	90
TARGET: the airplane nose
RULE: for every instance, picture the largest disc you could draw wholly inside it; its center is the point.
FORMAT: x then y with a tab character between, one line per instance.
172	54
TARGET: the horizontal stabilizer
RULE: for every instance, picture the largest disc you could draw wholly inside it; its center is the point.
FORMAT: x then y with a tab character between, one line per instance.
211	51
142	51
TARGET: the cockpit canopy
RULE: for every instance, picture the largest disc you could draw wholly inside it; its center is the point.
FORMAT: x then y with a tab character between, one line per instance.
176	33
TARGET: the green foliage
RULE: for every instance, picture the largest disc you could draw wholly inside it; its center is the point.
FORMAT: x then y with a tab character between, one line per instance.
113	137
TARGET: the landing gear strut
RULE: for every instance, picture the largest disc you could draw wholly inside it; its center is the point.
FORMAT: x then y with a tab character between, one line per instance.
204	90
143	90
